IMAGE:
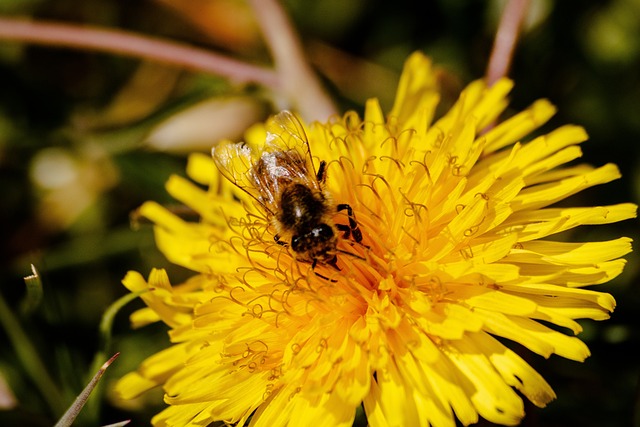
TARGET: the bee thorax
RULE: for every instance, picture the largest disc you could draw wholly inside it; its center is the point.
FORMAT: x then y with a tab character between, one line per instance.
301	207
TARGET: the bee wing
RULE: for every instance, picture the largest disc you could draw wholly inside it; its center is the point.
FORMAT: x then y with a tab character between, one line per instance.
235	161
286	134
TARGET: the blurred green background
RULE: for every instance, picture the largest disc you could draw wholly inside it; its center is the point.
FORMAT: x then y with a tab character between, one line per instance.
86	137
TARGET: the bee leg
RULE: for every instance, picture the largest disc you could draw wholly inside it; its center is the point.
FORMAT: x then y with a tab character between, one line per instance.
334	263
331	263
353	224
321	176
278	241
346	230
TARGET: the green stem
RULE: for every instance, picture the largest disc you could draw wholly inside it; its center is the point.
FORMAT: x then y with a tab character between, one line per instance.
31	361
74	410
92	406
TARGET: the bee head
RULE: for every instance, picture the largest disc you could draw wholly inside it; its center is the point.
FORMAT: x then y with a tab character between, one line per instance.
315	243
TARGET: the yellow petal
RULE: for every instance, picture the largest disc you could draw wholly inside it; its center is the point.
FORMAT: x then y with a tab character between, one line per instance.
492	397
519	126
416	84
182	415
578	253
201	169
479	297
534	336
515	371
133	385
542	195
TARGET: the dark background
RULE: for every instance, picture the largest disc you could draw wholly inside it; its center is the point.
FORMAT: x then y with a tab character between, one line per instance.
55	111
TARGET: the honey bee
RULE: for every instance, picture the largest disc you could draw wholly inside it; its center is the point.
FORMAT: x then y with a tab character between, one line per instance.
281	176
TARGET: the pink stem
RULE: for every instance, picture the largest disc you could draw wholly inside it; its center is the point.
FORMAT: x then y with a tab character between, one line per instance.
135	45
300	84
506	37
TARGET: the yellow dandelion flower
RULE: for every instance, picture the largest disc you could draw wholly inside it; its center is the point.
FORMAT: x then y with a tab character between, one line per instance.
456	258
